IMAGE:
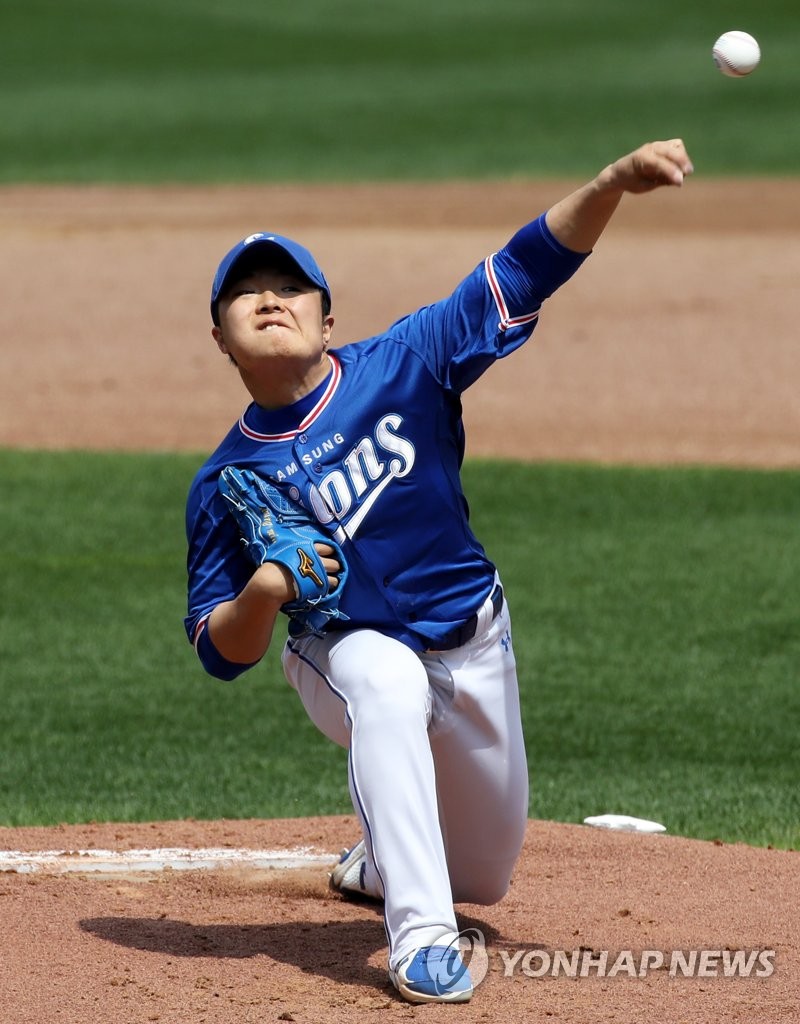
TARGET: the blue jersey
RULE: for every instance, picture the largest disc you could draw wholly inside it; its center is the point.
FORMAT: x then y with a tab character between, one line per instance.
375	452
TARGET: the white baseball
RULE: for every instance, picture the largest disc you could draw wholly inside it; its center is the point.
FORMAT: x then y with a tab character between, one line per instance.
736	54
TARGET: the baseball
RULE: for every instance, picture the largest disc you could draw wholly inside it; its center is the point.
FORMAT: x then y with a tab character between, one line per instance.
736	54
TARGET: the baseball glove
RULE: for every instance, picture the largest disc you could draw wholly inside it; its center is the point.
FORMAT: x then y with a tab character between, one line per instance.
276	529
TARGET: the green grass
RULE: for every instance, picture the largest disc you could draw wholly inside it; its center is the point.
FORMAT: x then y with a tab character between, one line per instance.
105	711
656	625
655	616
197	90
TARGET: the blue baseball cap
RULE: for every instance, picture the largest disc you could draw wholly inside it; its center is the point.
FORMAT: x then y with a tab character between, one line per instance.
297	253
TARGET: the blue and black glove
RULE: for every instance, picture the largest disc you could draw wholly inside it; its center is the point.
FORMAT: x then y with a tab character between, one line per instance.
276	529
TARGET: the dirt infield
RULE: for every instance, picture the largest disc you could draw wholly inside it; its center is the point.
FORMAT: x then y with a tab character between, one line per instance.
237	947
676	343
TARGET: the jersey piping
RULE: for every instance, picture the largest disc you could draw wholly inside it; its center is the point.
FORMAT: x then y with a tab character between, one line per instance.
506	321
325	397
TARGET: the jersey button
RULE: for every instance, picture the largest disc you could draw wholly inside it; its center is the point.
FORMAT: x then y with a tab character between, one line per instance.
317	467
303	438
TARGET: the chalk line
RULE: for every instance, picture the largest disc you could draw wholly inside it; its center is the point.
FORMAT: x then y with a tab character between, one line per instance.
175	858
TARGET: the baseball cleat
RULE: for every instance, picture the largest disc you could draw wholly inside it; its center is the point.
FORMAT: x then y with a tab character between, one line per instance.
349	875
433	974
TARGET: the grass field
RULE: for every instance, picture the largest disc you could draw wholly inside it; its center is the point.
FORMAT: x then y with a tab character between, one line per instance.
655	618
655	611
195	90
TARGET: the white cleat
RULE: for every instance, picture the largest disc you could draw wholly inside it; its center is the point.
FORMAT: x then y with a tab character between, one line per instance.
349	875
433	974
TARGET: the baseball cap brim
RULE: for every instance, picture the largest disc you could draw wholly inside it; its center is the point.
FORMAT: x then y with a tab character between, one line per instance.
297	254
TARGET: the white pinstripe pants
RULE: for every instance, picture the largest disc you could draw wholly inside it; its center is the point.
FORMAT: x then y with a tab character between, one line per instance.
437	767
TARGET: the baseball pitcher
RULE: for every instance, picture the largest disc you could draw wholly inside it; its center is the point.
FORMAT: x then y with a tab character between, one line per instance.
335	504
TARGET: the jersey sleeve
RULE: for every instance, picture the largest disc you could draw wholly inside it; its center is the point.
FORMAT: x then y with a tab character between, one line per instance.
217	572
493	311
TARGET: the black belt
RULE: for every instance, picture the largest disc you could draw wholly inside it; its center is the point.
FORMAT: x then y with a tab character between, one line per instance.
465	633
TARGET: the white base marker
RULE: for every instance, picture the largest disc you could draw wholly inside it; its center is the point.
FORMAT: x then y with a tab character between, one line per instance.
624	823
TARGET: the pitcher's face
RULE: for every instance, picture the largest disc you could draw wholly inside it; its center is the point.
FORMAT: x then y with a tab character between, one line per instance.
269	314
